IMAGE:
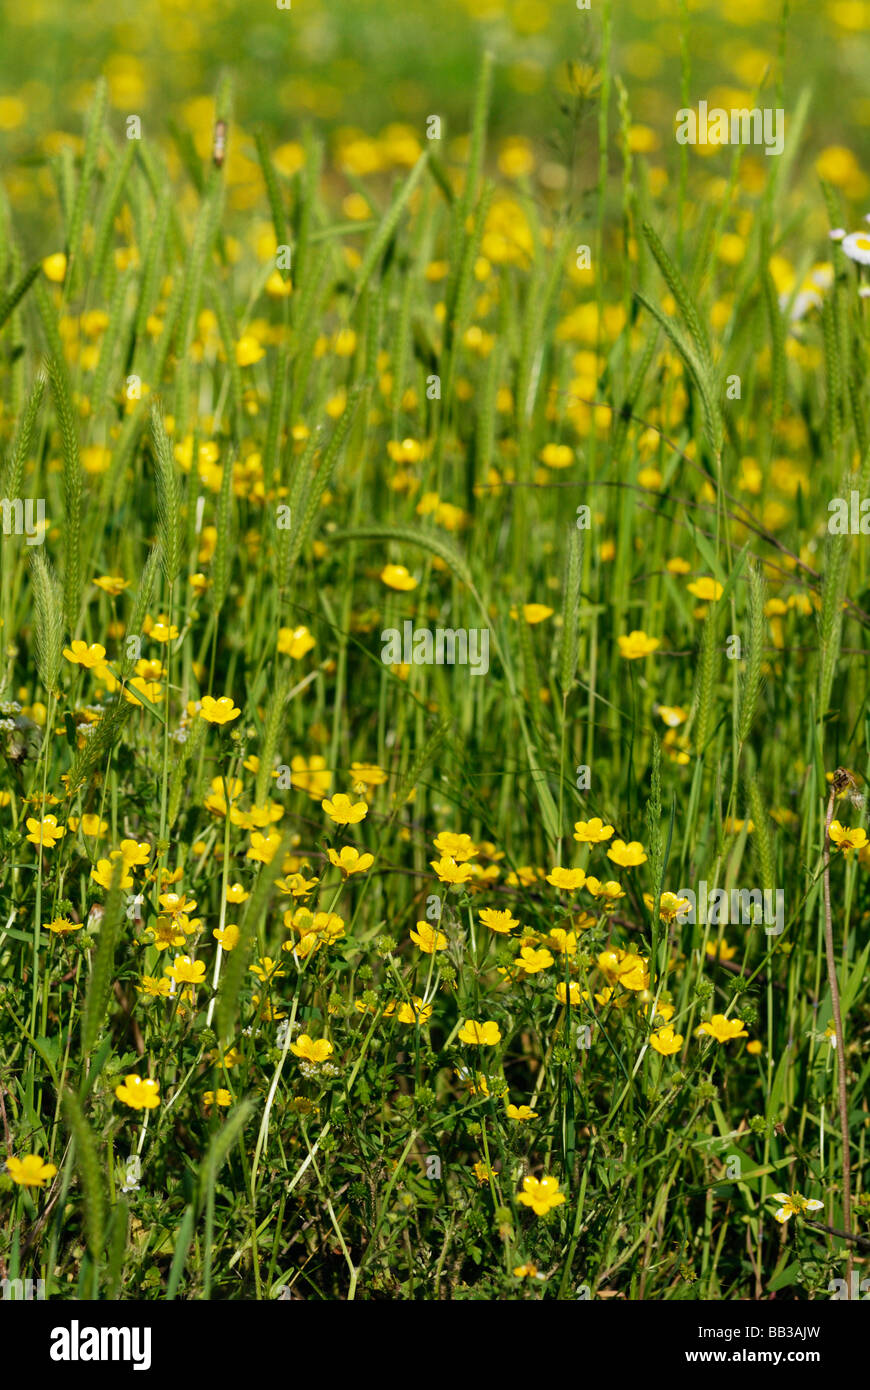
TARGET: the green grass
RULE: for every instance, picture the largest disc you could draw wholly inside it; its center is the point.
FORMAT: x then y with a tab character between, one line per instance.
248	461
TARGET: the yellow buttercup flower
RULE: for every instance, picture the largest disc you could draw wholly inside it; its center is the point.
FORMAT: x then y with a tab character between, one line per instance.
706	588
521	1112
541	1194
637	644
723	1029
498	920
627	856
220	711
482	1034
397	577
666	1041
294	641
83	655
311	1051
248	351
185	971
344	811
139	1093
54	267
592	832
458	847
569	879
449	871
31	1171
844	839
532	961
44	832
428	938
62	925
350	861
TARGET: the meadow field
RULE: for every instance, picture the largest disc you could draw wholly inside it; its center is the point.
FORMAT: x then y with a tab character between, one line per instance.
434	632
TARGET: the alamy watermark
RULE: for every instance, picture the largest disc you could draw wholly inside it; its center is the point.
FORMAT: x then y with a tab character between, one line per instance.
22	1290
742	906
755	126
19	520
850	517
420	646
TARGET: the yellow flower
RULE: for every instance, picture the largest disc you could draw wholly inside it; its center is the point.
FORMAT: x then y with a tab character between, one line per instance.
44	832
248	351
31	1171
720	950
609	890
266	969
670	906
483	1034
150	689
666	1041
566	878
311	1051
83	655
706	588
541	1194
350	861
428	938
139	1093
54	267
263	847
161	630
311	776
61	925
135	852
672	715
536	613
449	871
227	937
153	988
498	921
112	584
397	577
186	971
592	832
367	775
91	825
294	642
458	847
557	455
521	1112
220	711
723	1029
637	644
532	961
841	837
626	855
415	1012
344	811
219	1097
562	993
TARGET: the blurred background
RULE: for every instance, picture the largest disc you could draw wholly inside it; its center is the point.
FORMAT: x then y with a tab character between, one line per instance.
367	73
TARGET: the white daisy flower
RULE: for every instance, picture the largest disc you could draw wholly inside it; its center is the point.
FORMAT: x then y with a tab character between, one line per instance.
857	247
